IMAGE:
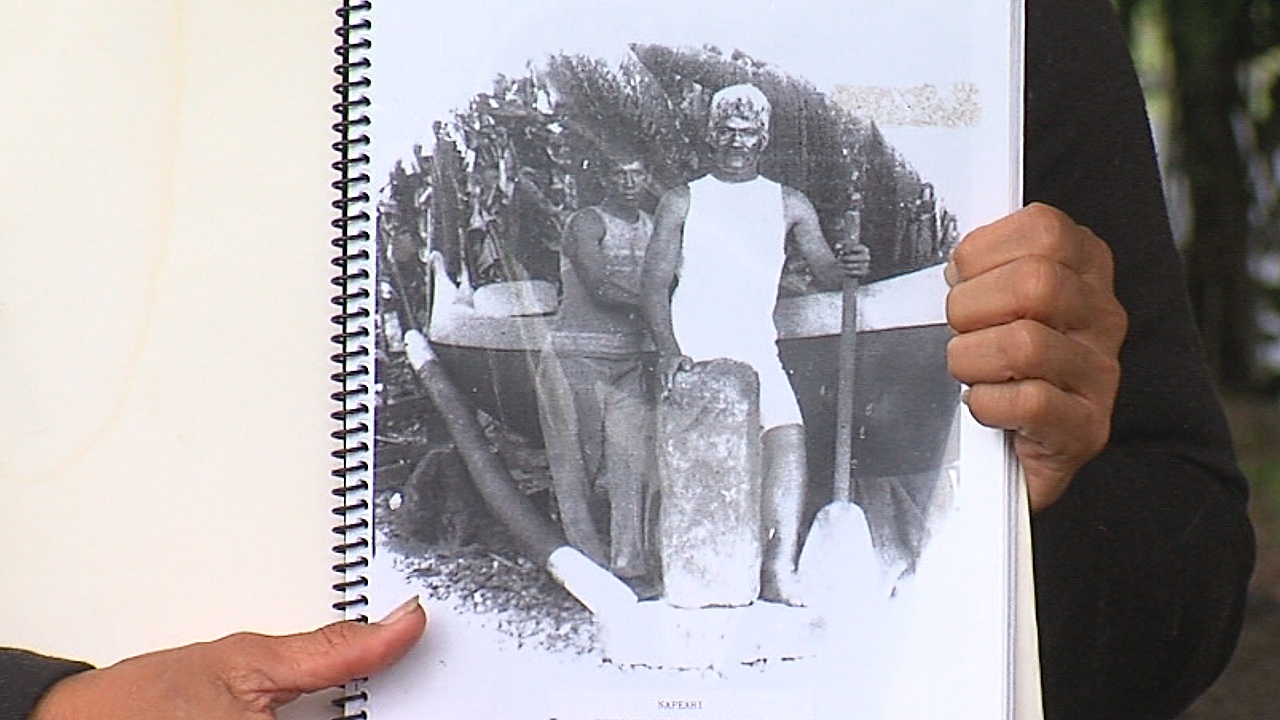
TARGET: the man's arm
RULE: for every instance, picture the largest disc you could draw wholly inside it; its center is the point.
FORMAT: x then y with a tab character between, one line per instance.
661	261
1142	563
829	271
240	677
583	235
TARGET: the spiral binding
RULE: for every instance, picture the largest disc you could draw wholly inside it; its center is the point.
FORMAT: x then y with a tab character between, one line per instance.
353	277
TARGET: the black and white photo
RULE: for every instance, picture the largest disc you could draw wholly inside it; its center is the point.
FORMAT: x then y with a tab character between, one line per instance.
661	400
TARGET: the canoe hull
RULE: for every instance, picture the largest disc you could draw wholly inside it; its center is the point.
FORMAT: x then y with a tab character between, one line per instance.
904	401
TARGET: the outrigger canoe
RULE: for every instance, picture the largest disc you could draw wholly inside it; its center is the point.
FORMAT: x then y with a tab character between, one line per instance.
905	400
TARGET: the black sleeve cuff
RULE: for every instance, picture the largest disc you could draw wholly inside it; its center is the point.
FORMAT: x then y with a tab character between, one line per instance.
25	677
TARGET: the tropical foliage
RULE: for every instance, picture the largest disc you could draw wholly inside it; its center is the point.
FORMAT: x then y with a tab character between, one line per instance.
1221	61
497	182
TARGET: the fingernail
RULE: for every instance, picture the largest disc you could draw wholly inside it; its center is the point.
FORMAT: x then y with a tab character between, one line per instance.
406	608
951	274
964	395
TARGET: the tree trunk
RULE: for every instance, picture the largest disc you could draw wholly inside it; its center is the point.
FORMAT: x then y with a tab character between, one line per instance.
1208	103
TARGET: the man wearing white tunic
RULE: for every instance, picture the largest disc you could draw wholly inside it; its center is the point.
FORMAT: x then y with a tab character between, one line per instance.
724	237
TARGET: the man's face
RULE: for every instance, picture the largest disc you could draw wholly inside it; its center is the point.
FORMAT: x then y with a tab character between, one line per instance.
627	180
737	143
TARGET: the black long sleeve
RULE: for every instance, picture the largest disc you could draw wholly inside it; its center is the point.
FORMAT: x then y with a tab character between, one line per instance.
25	677
1142	566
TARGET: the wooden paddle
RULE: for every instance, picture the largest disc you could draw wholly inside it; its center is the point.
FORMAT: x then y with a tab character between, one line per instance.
838	559
847	359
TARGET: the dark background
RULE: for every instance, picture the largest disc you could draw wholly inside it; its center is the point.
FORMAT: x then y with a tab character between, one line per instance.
1211	73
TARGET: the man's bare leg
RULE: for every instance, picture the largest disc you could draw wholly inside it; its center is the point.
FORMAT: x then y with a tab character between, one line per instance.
783	466
558	410
628	473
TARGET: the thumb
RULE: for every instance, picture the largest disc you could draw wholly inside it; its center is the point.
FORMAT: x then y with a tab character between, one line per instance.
337	653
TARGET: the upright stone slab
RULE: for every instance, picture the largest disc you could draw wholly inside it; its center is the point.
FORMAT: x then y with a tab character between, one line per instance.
709	470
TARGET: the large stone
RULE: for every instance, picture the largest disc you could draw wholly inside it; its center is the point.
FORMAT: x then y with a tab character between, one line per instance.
709	470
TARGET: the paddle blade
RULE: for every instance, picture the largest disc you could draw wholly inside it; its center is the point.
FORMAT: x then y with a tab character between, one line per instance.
838	563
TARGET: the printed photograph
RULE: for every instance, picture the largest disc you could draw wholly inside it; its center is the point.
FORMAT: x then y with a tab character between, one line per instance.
633	276
662	420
